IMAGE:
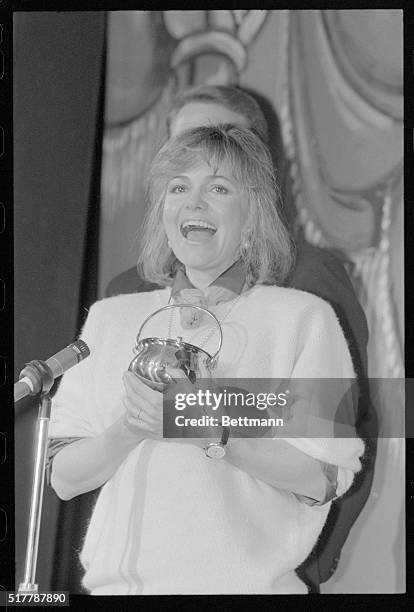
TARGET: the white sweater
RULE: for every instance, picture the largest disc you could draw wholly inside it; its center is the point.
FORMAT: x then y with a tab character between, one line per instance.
171	520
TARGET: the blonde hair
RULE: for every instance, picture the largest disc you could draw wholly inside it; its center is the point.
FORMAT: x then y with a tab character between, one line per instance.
266	247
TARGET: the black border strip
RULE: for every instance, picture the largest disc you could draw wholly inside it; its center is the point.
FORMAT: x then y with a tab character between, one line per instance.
7	554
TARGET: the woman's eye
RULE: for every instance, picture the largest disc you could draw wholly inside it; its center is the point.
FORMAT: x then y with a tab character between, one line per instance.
219	189
177	189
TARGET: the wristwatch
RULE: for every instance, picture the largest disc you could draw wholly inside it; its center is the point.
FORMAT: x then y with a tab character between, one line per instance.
217	450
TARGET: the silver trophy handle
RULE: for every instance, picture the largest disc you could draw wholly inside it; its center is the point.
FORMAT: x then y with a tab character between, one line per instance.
210	314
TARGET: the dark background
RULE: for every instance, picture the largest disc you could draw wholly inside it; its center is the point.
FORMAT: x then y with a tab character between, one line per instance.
58	93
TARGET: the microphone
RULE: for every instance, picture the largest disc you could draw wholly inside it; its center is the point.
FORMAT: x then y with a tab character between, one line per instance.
39	375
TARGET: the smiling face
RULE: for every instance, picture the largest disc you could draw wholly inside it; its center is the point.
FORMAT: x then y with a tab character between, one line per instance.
204	213
213	189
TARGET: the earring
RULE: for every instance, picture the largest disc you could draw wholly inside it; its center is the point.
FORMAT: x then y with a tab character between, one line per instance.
244	248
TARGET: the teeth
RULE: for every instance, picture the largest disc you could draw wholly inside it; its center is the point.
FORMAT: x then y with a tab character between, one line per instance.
194	223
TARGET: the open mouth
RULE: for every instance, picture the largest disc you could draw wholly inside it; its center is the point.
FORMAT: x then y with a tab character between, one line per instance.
195	229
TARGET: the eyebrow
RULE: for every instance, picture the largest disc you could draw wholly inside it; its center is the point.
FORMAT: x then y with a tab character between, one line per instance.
210	176
221	176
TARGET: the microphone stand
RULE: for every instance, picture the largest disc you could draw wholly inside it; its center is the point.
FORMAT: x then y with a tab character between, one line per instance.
42	377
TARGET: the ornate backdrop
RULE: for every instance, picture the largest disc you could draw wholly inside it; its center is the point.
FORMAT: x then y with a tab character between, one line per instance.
335	79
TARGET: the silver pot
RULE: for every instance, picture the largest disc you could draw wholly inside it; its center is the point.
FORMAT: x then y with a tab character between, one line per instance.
161	361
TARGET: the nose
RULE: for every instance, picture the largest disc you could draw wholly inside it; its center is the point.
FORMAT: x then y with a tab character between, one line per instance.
197	200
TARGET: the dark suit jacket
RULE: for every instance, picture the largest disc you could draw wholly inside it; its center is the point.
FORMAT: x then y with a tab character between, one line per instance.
320	272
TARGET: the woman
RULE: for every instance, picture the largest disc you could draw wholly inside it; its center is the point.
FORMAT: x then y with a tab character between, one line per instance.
170	518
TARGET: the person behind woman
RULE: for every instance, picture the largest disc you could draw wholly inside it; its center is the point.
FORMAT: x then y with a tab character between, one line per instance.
170	518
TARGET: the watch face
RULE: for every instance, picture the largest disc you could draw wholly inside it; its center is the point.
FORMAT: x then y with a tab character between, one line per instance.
215	451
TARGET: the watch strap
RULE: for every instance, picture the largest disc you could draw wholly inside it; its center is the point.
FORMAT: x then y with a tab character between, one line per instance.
225	435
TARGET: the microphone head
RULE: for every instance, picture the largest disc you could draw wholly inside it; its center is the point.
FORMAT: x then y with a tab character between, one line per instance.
81	349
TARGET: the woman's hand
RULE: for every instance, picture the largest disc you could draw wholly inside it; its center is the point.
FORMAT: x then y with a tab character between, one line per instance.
143	407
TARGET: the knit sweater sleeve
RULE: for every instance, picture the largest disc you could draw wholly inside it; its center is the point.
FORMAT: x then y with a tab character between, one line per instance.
74	404
322	355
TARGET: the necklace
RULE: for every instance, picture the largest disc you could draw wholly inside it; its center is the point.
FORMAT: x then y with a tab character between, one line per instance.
211	331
